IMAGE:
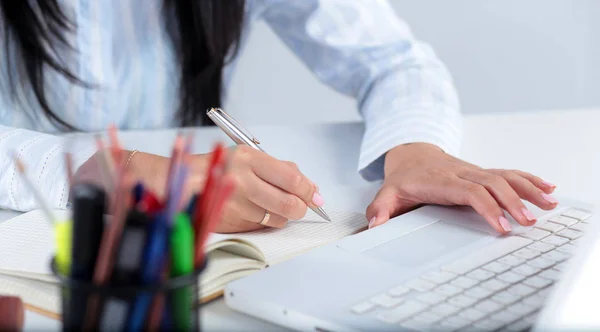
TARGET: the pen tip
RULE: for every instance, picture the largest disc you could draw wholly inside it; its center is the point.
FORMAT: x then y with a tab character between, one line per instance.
322	213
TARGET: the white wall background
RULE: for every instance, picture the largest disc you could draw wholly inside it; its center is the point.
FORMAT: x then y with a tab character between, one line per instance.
505	55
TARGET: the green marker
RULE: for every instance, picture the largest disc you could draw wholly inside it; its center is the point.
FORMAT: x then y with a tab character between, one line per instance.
181	242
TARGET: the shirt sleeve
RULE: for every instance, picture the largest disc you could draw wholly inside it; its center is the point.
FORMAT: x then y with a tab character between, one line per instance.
43	156
362	49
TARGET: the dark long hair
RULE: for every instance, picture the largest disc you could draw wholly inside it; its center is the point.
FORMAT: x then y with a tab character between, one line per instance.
206	34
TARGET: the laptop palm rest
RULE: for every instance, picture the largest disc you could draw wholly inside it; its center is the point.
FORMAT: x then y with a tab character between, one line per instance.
425	244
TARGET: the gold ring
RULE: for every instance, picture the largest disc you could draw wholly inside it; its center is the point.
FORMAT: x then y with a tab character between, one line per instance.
265	218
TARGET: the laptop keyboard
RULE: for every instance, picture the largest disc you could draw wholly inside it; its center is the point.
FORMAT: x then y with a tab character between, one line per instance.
500	287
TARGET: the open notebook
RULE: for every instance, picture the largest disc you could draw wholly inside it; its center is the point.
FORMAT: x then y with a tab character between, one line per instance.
26	247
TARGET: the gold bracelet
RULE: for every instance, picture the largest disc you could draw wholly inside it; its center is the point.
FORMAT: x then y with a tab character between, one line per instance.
130	157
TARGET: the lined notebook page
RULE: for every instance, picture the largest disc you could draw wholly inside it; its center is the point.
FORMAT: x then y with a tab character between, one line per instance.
305	234
27	242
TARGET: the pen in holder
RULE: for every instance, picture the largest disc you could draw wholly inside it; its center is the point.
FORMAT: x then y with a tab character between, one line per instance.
129	307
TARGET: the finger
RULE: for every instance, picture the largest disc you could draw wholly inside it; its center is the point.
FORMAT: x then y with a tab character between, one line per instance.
463	192
546	186
273	198
246	210
527	190
503	193
386	205
287	177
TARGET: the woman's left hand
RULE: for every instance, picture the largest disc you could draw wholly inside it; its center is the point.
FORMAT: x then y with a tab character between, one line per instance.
421	173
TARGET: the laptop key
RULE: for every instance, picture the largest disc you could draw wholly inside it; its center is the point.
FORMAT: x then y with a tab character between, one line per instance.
564	220
454	323
415	325
481	275
541	263
461	301
439	277
555	240
510	277
448	290
537	282
487	254
478	292
494	284
402	312
567	248
526	253
398	291
521	290
556	256
518	326
428	317
549	226
432	298
363	308
570	234
521	309
535	234
580	227
505	317
489	306
541	246
488	324
577	214
464	282
445	309
513	260
526	270
496	267
420	285
506	298
386	301
472	314
550	274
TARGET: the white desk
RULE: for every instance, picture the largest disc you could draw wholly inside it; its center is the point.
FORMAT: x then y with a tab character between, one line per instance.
560	146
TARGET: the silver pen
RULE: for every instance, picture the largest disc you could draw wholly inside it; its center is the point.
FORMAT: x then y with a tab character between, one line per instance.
240	135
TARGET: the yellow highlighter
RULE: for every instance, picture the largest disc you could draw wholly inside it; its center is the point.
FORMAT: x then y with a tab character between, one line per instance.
63	238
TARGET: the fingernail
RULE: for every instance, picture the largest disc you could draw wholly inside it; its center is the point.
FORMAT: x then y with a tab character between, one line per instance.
505	224
549	198
530	216
372	222
548	184
318	199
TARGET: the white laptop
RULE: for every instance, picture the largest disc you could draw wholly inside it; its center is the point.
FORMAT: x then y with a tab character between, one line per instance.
434	269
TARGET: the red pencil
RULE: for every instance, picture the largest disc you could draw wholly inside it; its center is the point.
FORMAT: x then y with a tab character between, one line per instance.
212	219
207	192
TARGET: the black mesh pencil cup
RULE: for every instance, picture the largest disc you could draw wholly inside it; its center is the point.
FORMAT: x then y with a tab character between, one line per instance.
170	305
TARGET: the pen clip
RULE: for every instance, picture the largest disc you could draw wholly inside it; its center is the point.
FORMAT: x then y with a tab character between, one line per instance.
235	123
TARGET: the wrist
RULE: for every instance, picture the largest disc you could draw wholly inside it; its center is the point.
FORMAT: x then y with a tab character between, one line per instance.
409	154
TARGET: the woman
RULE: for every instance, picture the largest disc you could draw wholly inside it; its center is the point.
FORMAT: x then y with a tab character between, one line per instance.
84	64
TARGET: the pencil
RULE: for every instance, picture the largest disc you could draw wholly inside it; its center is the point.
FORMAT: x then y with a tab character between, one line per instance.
107	166
69	166
210	222
43	204
202	205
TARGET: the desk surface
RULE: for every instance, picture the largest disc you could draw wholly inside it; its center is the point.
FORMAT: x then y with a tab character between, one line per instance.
559	146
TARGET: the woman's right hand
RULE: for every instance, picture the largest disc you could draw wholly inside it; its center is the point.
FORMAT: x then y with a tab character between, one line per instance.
264	183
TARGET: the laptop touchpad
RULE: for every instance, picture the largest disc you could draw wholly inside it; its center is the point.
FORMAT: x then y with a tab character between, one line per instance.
425	244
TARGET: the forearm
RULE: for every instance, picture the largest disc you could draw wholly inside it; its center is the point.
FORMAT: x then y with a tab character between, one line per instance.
43	156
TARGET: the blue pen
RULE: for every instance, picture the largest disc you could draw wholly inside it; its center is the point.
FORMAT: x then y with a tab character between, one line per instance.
138	192
154	256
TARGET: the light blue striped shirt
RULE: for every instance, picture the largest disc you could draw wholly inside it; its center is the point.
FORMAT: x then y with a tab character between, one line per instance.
358	47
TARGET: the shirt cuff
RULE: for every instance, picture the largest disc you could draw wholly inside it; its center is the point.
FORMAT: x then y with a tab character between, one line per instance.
387	132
